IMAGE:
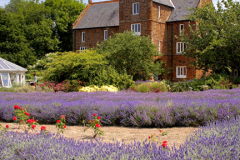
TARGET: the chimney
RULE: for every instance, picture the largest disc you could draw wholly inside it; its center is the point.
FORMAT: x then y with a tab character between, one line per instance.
89	1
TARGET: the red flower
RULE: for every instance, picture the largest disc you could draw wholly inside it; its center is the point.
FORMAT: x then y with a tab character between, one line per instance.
33	126
7	126
26	113
62	116
94	115
21	121
98	125
160	130
164	144
149	137
58	121
43	128
64	126
30	121
15	118
16	107
98	118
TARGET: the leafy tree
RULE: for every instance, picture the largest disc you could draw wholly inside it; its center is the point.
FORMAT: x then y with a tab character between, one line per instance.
64	13
13	43
214	41
131	54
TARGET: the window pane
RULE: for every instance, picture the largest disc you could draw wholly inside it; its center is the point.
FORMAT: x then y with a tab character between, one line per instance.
178	70
5	79
137	7
185	71
182	47
132	27
179	47
139	28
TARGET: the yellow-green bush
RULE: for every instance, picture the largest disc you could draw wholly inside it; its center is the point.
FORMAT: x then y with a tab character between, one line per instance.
96	88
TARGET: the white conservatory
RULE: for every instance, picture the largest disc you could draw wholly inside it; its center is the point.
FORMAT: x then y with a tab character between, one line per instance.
11	73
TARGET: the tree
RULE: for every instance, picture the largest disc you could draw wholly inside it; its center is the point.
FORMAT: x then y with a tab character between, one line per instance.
13	43
63	14
131	54
214	41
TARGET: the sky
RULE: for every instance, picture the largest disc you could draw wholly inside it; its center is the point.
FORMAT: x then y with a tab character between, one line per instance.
4	2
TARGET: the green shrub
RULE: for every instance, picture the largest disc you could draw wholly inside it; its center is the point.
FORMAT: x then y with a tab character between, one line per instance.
144	87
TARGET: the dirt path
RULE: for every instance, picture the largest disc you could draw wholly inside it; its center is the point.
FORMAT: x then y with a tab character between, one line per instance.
174	135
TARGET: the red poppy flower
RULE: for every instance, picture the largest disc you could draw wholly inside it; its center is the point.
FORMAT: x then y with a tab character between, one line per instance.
43	128
58	121
62	116
160	130
164	144
16	107
33	126
64	126
98	125
98	118
149	137
7	126
15	118
94	115
26	113
21	121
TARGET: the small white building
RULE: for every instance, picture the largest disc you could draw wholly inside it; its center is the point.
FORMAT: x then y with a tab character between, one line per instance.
11	73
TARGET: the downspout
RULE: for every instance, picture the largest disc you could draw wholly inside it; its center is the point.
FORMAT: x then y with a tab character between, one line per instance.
172	54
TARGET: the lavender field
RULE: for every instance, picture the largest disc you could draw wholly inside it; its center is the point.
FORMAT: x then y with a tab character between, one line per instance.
126	108
220	141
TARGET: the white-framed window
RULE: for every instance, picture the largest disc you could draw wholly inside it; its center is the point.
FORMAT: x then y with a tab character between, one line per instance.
5	80
180	46
83	36
181	72
136	28
159	47
82	49
181	27
135	8
159	12
105	34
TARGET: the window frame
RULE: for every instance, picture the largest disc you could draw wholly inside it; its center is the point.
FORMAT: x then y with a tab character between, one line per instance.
183	72
182	45
159	47
105	35
181	29
82	49
133	28
83	36
137	8
159	12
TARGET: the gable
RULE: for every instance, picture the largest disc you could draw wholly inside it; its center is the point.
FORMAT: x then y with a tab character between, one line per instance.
165	2
100	15
180	12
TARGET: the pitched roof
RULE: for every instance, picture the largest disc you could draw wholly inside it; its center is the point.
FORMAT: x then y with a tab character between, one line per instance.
179	13
9	66
165	2
100	15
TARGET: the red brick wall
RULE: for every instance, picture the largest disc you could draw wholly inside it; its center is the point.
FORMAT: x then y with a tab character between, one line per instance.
92	36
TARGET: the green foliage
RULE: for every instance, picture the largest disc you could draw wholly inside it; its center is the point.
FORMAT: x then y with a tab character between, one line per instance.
143	88
64	13
214	41
156	87
95	124
89	67
131	54
30	29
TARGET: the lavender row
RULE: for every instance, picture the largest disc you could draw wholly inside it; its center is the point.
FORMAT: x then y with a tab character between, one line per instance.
126	108
215	141
23	146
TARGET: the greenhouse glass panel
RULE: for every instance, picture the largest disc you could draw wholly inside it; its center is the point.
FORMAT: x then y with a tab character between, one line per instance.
11	66
4	65
1	67
5	80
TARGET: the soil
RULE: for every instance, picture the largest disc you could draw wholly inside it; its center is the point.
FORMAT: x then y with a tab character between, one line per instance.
176	135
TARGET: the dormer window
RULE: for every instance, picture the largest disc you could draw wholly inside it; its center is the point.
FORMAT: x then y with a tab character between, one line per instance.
181	27
135	8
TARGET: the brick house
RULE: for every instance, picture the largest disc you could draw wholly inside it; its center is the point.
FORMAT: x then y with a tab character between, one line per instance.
159	19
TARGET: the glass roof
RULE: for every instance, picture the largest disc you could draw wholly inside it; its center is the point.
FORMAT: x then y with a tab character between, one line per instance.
8	66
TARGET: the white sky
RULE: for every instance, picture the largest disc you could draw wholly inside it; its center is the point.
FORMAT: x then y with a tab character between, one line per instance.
4	2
